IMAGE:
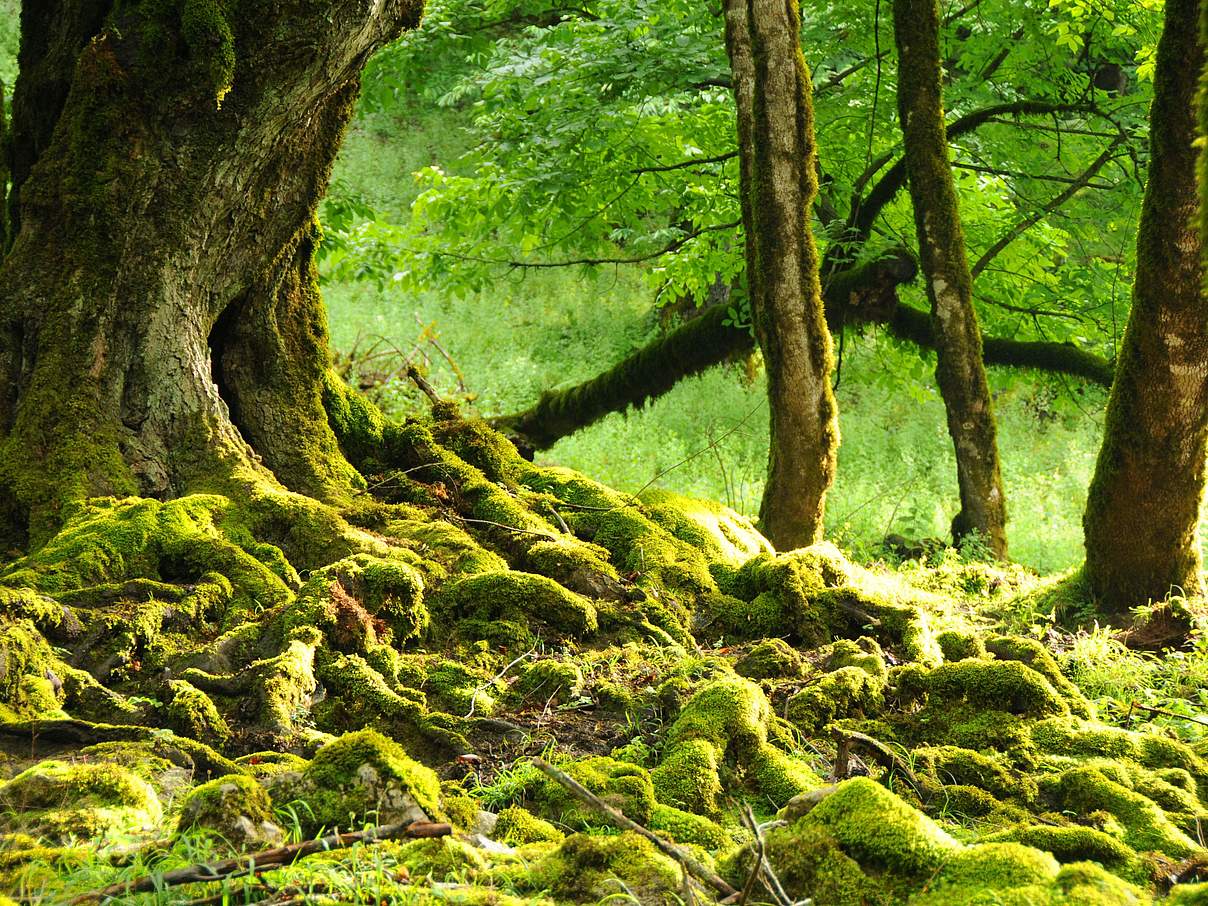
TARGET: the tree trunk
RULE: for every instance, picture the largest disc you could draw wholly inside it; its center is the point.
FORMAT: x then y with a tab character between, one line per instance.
166	164
959	369
778	184
1143	509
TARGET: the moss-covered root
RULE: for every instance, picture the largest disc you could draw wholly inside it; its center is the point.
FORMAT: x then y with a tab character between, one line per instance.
728	722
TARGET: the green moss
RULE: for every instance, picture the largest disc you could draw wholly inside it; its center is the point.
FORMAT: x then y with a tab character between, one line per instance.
726	722
1188	895
721	533
879	830
957	646
809	863
207	34
685	827
1007	686
363	774
998	866
1075	844
986	771
625	787
269	764
235	808
501	606
1084	791
190	712
516	826
864	653
1036	656
771	659
846	692
1090	738
550	680
587	868
60	801
442	859
25	662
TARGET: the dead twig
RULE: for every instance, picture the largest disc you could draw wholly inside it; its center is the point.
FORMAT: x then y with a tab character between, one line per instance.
887	756
422	383
1152	710
586	796
266	860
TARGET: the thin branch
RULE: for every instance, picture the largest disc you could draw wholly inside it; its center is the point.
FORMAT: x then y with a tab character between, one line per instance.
586	796
1052	205
688	164
1042	177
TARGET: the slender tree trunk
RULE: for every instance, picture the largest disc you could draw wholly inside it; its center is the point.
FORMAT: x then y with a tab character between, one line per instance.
1143	509
959	370
778	185
166	163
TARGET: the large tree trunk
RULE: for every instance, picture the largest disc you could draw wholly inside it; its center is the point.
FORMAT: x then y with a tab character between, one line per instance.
959	369
166	163
778	185
1144	504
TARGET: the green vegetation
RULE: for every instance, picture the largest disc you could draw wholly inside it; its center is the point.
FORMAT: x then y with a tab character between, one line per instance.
193	669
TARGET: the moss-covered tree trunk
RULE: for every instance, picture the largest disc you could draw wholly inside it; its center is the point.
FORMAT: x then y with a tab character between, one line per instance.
158	314
959	370
1144	505
778	184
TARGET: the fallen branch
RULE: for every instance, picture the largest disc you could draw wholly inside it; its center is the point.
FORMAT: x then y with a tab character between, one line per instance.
266	860
1191	718
686	859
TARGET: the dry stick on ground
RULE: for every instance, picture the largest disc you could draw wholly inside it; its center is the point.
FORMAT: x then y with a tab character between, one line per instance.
762	866
266	860
588	797
1152	710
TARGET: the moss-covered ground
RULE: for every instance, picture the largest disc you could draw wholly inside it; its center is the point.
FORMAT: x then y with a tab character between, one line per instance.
182	680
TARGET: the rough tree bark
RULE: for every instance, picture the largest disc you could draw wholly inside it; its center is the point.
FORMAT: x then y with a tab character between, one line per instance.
158	310
1143	509
778	185
959	369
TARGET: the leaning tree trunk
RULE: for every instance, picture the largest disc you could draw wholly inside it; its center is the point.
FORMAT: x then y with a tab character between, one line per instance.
959	369
778	184
158	310
1143	509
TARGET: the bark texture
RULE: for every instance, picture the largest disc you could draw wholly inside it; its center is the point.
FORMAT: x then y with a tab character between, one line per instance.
959	369
166	160
1143	509
778	185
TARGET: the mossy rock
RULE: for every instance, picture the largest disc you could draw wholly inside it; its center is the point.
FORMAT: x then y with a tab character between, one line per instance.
502	606
235	808
190	712
728	721
550	680
363	776
61	801
442	859
880	831
845	692
685	827
1076	844
516	826
1085	791
771	659
587	868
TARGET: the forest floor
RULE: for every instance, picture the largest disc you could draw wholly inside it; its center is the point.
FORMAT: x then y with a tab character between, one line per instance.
183	682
